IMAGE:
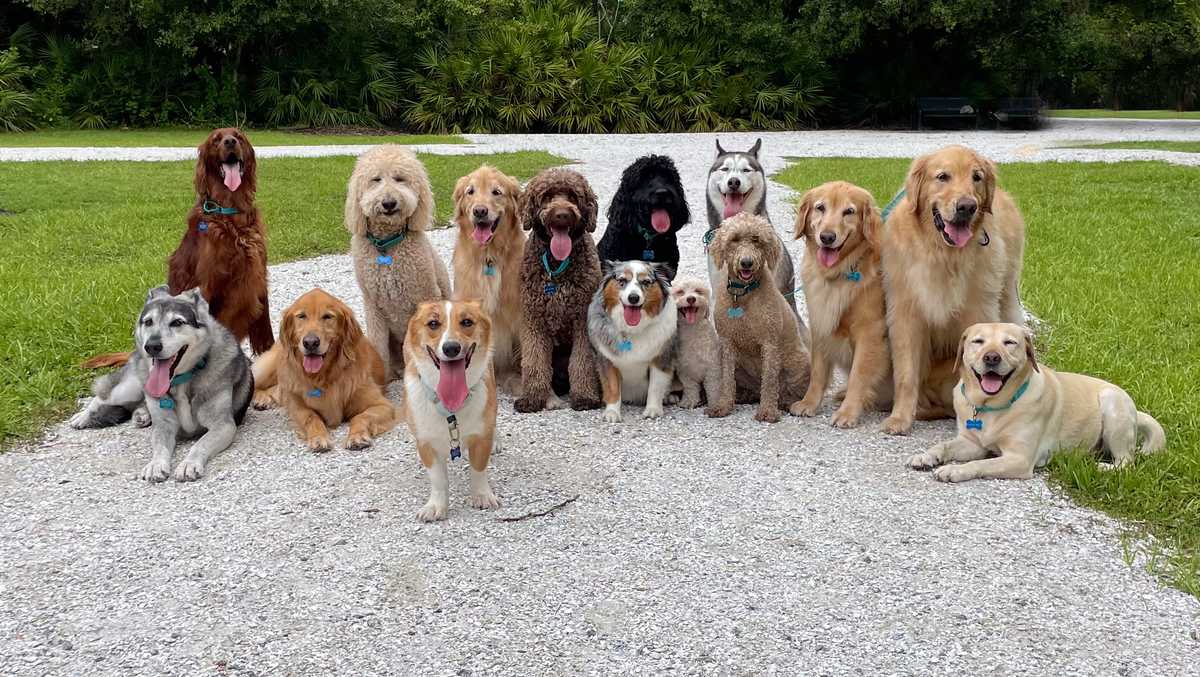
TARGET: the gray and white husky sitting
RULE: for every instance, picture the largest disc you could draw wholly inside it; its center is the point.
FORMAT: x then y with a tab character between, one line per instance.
187	375
736	184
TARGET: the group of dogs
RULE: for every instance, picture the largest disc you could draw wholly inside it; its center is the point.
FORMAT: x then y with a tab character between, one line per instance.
918	306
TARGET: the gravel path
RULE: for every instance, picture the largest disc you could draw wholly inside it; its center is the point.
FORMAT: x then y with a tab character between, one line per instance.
679	545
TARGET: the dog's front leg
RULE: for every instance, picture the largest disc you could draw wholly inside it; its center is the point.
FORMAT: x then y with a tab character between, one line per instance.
868	369
480	448
768	394
377	334
910	357
610	389
536	370
217	417
957	449
1007	466
375	416
439	484
656	390
310	424
723	405
162	446
585	386
821	369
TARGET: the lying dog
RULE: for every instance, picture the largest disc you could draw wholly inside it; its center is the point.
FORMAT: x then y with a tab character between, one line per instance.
324	371
647	211
188	376
631	323
843	292
559	274
487	261
699	361
1019	413
450	397
757	329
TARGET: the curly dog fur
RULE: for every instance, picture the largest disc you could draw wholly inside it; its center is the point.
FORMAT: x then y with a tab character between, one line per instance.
560	209
389	196
650	187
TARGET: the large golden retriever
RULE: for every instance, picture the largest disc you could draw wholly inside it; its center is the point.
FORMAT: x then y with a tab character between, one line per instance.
952	253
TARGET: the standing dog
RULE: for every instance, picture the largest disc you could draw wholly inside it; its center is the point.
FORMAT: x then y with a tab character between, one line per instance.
631	323
450	397
699	361
1019	412
487	261
757	329
952	254
389	206
646	213
843	290
188	376
559	274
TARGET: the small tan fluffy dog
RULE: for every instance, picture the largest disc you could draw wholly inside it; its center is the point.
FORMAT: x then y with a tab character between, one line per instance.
324	371
952	253
450	397
843	289
1019	412
698	363
487	261
757	329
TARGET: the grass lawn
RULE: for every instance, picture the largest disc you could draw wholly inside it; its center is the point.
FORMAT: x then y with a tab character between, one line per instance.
183	137
87	239
1110	266
1135	114
1178	146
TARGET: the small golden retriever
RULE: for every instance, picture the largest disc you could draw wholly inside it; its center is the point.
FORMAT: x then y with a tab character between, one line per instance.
324	371
843	289
1019	413
952	252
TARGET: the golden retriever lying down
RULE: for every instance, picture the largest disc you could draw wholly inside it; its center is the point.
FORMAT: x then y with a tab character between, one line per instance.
1018	412
952	253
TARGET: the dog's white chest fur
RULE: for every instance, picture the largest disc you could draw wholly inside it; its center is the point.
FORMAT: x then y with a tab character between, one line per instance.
432	427
644	345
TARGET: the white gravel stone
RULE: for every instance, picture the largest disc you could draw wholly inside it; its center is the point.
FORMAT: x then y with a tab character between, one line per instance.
677	545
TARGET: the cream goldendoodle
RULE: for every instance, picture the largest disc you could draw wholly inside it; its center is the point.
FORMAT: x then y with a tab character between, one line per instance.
389	206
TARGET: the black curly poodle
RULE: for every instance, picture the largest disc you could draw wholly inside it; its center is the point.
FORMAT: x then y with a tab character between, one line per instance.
647	211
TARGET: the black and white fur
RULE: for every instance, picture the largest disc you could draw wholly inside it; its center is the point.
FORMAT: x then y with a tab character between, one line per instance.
740	173
651	183
648	367
209	406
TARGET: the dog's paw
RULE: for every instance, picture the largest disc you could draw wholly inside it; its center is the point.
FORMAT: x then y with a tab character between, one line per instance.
926	460
846	417
952	473
319	444
528	405
584	403
141	417
264	399
81	420
486	501
359	441
718	411
671	398
897	425
767	415
689	402
433	511
189	470
156	471
652	411
804	407
611	415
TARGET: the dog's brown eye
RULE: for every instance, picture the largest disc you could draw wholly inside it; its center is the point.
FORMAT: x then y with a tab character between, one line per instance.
467	322
471	190
821	208
621	282
978	341
327	316
433	324
497	192
377	179
1010	342
147	322
943	177
978	177
301	316
848	211
399	179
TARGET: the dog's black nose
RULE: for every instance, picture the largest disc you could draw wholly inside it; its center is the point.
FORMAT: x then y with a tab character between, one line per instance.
389	205
561	218
153	347
635	298
747	262
311	343
828	238
691	300
991	359
451	349
735	183
661	194
966	207
479	211
230	142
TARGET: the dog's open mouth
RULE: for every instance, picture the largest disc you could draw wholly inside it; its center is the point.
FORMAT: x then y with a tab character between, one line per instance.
734	201
484	230
746	274
690	313
560	243
660	220
161	373
955	234
452	378
992	382
829	256
633	315
312	362
231	172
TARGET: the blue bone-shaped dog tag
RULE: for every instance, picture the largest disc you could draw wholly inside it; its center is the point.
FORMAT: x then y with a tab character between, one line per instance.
625	346
383	260
166	403
854	276
202	226
455	453
550	288
489	270
315	392
974	424
647	254
735	312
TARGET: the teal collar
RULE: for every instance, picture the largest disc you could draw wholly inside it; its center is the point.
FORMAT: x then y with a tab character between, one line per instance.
647	234
168	402
557	271
962	387
382	245
708	236
211	207
738	289
892	205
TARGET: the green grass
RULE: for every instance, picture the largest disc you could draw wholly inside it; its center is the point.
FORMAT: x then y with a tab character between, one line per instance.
87	239
1136	114
1111	267
1178	146
190	138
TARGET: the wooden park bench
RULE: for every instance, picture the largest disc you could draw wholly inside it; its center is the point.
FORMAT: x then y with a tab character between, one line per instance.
945	108
1026	109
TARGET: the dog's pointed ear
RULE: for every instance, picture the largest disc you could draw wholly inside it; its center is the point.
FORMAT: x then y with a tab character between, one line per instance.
720	150
958	354
872	222
196	298
989	184
755	148
356	221
1030	351
803	211
161	290
916	184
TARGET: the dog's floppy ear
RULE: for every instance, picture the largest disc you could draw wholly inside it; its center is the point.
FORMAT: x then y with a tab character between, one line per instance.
663	274
200	180
916	183
287	334
460	191
588	210
249	167
529	205
610	267
989	184
349	332
720	150
1030	352
958	354
772	249
356	221
803	209
422	216
716	248
872	222
755	148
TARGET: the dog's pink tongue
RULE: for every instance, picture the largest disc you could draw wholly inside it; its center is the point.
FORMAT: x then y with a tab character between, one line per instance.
828	257
633	315
560	244
160	378
233	176
660	220
689	315
960	234
991	383
733	203
313	363
452	385
482	234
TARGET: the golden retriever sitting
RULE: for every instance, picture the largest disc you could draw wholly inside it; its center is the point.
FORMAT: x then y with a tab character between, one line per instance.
487	261
757	329
324	372
389	206
952	253
1019	413
843	290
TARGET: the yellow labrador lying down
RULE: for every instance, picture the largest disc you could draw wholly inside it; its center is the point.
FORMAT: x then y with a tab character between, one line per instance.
1013	413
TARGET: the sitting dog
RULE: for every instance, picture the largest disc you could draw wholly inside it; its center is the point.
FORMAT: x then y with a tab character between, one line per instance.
389	206
843	290
757	329
324	371
450	397
698	363
631	323
646	213
1019	413
559	273
188	376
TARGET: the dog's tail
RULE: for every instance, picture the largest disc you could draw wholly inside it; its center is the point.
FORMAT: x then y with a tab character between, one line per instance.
1154	437
106	360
